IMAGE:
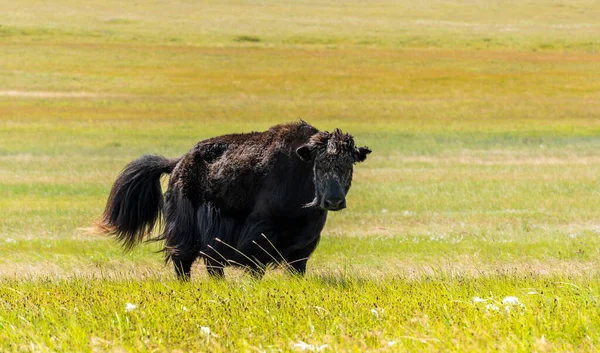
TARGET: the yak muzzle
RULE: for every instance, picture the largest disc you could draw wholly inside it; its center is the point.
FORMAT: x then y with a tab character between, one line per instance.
334	203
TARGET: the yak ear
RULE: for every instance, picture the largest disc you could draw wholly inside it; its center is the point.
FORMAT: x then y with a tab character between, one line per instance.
304	152
361	154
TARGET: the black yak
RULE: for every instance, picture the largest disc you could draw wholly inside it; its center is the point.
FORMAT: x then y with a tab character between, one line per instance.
247	200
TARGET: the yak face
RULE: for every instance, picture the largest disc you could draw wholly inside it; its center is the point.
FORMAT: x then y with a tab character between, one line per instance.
334	155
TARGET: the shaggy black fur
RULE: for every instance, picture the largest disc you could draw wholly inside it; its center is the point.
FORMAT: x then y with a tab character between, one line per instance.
136	199
244	199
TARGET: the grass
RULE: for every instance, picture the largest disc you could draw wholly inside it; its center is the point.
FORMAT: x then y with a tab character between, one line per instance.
482	115
347	313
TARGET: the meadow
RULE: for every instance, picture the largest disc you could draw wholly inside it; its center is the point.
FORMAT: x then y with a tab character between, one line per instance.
473	226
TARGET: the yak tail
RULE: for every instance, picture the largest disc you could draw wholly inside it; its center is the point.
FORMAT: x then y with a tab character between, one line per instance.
136	200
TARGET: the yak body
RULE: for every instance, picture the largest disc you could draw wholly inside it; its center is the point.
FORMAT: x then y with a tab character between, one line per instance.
243	199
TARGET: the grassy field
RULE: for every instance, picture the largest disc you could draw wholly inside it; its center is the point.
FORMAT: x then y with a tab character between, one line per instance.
473	226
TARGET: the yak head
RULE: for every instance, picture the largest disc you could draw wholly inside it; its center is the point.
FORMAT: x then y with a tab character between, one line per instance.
334	155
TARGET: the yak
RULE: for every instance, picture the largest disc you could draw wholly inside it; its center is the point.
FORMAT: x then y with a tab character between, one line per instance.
249	200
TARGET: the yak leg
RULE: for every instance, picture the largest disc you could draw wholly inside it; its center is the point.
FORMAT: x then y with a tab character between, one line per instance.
183	268
255	257
299	258
181	233
305	240
256	252
214	268
186	188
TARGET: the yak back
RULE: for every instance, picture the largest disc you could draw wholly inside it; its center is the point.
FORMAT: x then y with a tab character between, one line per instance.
256	172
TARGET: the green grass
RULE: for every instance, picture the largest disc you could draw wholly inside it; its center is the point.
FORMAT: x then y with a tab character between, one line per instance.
484	121
345	312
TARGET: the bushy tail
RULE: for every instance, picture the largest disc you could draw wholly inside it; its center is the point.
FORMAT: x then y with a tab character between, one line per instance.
136	200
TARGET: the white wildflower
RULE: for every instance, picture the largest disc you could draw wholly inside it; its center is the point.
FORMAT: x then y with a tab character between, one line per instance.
310	347
130	307
492	307
511	301
375	312
391	343
205	330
